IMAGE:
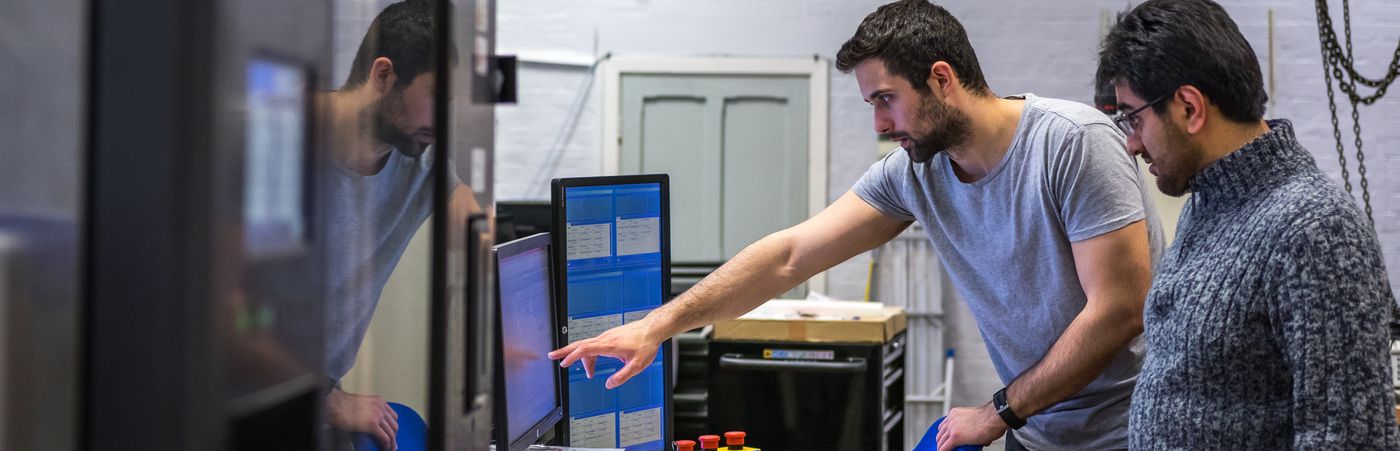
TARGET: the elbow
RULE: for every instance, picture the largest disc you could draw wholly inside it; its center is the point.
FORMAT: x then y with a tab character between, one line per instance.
784	243
1131	320
1134	325
1120	320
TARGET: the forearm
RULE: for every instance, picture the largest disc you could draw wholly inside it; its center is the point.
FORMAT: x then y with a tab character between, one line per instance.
760	272
1082	352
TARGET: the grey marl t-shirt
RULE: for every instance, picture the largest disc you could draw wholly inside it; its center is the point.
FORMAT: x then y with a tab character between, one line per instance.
1005	241
369	222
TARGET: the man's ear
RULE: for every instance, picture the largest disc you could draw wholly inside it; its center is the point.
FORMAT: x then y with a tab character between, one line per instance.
381	75
942	79
1194	107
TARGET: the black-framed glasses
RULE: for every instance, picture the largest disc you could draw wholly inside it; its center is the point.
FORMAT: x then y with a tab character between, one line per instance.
1127	122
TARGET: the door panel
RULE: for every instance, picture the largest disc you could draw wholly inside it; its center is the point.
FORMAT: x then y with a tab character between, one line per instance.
674	129
765	168
735	146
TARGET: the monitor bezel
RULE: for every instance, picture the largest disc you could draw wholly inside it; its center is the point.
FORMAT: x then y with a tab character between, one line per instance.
501	426
558	199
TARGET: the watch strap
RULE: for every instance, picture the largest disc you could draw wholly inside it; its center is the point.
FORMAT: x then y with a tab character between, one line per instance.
1003	409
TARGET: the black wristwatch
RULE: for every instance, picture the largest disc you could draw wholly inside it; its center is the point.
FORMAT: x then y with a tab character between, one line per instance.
1004	410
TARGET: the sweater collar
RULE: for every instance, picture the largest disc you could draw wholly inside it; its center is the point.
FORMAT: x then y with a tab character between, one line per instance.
1261	164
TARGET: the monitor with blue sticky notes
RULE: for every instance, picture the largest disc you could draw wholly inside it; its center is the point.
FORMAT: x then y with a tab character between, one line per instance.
614	261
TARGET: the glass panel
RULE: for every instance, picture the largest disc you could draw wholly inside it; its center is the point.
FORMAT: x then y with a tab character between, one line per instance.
41	207
379	187
470	297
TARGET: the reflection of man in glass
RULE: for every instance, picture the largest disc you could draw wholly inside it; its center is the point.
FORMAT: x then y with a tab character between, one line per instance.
379	191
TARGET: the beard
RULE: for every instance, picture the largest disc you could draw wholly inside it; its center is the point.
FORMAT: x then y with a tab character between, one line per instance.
385	129
1174	175
936	127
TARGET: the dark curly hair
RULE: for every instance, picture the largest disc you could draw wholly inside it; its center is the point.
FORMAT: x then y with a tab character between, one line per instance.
403	32
1162	45
909	36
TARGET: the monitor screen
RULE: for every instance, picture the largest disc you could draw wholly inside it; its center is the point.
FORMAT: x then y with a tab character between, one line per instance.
275	157
615	265
531	381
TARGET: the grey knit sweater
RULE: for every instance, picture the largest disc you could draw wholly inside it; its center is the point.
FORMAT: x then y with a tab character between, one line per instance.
1266	325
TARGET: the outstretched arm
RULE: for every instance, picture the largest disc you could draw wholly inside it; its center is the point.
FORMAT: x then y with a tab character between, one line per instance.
761	271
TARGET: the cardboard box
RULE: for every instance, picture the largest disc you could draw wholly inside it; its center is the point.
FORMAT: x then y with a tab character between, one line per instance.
815	322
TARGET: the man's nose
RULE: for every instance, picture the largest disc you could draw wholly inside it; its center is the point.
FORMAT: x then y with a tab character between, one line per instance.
1135	146
882	124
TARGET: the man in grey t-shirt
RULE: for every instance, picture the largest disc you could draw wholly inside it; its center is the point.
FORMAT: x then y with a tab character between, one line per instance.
1033	205
379	192
1010	240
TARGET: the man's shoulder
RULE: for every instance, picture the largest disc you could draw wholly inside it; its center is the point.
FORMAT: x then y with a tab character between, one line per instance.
1311	208
1063	132
1065	113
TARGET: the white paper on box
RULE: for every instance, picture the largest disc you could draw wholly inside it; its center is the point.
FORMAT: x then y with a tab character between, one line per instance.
821	310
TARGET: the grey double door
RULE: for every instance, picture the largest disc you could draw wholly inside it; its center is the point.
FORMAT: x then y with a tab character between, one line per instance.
736	148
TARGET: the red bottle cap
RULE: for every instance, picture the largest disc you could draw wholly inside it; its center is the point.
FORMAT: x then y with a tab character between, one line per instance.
709	442
685	445
734	438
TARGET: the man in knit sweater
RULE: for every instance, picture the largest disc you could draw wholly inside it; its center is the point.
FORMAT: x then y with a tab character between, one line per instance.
1266	323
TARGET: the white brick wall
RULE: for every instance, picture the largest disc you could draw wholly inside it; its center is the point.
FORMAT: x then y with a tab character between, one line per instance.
1046	47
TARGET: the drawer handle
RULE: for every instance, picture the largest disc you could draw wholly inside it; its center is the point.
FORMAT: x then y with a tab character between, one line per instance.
734	361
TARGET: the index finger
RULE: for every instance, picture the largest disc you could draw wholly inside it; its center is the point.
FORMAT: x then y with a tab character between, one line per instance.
585	350
564	351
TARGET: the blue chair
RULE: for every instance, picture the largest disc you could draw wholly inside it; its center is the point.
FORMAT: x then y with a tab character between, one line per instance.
412	436
930	440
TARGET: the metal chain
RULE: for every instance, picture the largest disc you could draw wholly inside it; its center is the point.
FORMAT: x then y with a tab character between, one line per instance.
1332	56
1361	163
1336	59
1331	98
1356	118
1331	47
1350	60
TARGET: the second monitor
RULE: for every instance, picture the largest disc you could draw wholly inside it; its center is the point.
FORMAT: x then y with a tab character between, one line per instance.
529	395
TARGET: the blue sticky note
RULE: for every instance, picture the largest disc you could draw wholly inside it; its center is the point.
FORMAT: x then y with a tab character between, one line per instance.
930	440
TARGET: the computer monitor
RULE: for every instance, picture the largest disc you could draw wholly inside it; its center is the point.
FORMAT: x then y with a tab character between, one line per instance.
529	397
276	189
614	255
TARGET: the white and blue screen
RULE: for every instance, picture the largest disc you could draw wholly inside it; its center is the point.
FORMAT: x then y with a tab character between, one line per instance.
274	162
614	275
